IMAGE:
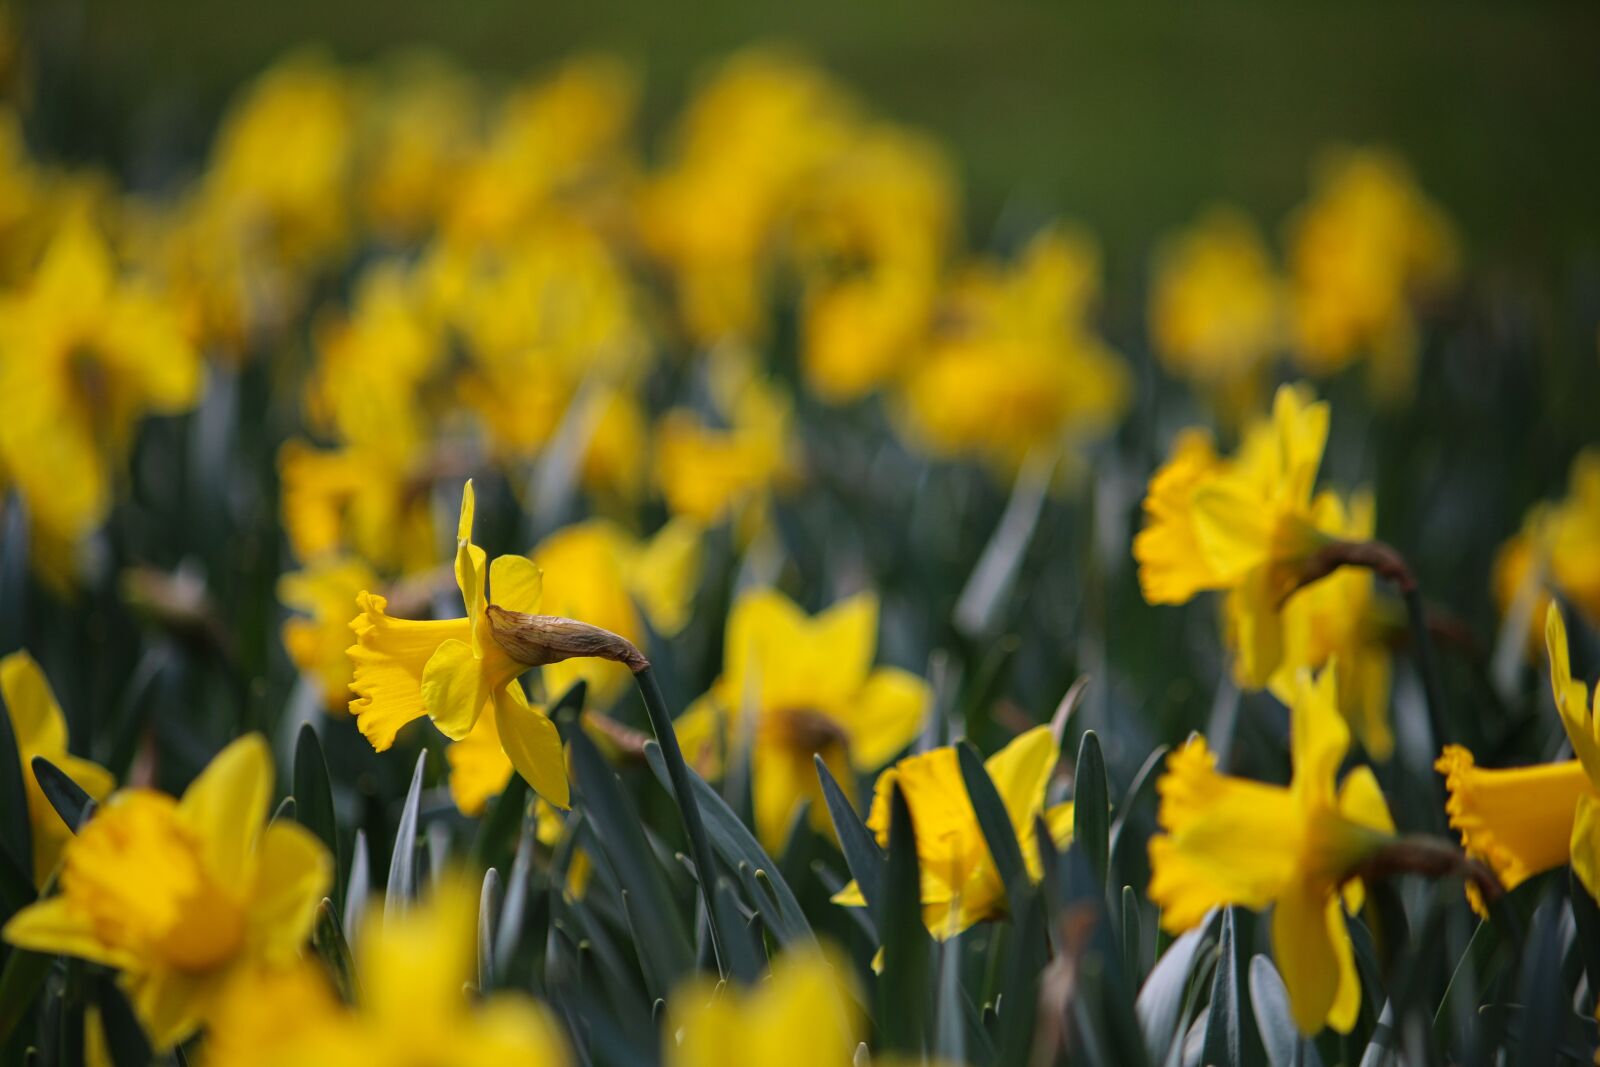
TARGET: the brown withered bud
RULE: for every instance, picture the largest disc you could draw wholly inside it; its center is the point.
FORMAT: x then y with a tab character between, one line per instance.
537	640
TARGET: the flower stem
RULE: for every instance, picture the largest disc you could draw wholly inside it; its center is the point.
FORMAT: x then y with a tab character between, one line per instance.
683	787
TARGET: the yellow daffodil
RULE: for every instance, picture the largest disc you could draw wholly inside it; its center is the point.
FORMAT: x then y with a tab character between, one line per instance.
960	883
317	639
412	972
1360	250
84	355
1292	848
416	137
1526	820
453	670
793	687
1242	525
180	895
40	729
1344	620
1217	308
805	1015
369	499
1016	365
1556	551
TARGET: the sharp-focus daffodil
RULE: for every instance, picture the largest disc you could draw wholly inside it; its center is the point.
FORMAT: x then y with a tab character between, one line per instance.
960	883
413	972
41	730
84	355
1362	248
316	639
793	687
805	1015
1556	551
1242	525
1526	820
453	670
181	895
1228	840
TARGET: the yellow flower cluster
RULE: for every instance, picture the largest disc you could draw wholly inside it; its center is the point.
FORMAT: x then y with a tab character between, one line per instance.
1556	553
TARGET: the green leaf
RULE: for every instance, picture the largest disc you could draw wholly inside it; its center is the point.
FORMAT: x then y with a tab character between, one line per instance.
1091	807
1142	782
488	907
66	796
401	888
284	810
665	947
360	888
328	941
313	800
995	822
904	987
1269	1001
497	832
125	1039
734	842
746	961
1545	1015
16	833
1132	965
16	887
1160	1002
861	852
1227	1022
1586	916
20	979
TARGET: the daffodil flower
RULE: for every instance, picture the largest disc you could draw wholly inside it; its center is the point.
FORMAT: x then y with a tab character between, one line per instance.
1526	820
1228	840
806	1013
960	883
1555	552
454	670
316	641
41	730
793	687
180	895
412	972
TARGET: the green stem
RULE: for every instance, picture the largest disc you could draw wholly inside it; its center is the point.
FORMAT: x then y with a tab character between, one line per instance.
693	824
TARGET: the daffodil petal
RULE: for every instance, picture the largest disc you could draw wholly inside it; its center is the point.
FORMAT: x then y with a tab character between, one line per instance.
532	744
227	804
452	688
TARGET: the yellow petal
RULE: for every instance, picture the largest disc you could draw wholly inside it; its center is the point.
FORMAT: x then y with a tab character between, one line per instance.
846	639
702	736
886	716
1318	736
1304	947
479	767
1572	696
453	688
390	656
227	804
1233	527
469	507
1585	844
1362	802
664	572
515	583
293	874
36	718
1021	772
533	745
765	628
169	1004
1518	821
1254	628
779	779
1172	568
54	926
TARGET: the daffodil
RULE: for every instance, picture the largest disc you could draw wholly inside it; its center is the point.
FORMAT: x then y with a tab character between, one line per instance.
1243	525
453	670
369	499
1363	247
316	640
1016	365
414	145
1523	821
805	1015
40	729
793	687
1557	551
84	355
412	972
960	883
180	895
1231	841
1217	308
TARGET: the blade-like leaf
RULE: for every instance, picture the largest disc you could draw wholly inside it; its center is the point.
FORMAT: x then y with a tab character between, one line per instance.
313	800
1091	808
125	1039
1132	963
905	985
861	852
1269	1000
20	980
488	908
16	833
1226	1039
401	888
995	822
66	796
328	940
360	887
746	961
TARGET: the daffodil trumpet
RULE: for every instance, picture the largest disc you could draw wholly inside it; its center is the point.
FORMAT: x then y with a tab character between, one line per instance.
539	640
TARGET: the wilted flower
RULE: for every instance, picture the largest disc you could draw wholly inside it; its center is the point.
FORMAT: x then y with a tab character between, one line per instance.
454	670
960	883
1295	849
412	972
40	729
181	896
1557	551
794	687
1525	820
1361	249
84	355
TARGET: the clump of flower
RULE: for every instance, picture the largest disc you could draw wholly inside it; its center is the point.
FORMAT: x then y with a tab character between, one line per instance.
1555	553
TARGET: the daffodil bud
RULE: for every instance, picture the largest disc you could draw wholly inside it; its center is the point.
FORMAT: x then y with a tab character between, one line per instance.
539	640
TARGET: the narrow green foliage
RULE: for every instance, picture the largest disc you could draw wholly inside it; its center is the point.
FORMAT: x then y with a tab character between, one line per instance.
313	797
1091	809
905	985
488	909
328	941
402	885
66	796
861	852
995	822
